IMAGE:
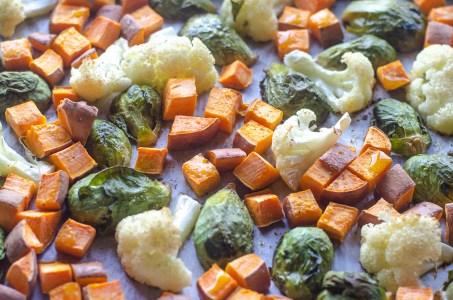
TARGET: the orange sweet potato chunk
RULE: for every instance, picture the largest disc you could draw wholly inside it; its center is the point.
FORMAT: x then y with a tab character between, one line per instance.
180	98
16	54
345	189
20	185
372	214
74	238
201	175
317	177
290	40
223	103
23	274
89	54
293	18
22	116
264	114
11	204
67	16
226	159
59	93
150	20
132	5
376	138
396	187
245	294
314	5
151	160
53	274
41	41
438	33
106	290
264	208
20	241
301	209
427	5
255	172
86	3
189	132
67	291
52	191
70	44
426	209
236	75
215	284
326	28
111	11
102	32
89	273
250	272
132	30
337	220
392	76
412	293
253	137
45	139
442	14
49	66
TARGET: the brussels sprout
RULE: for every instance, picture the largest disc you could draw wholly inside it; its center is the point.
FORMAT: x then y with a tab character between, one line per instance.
377	50
403	126
138	113
433	177
224	229
446	292
182	9
401	23
350	286
224	43
103	199
108	145
291	91
19	87
302	258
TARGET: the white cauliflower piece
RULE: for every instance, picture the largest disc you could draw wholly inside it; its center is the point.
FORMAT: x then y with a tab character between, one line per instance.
296	147
168	57
429	91
185	215
148	245
349	90
11	15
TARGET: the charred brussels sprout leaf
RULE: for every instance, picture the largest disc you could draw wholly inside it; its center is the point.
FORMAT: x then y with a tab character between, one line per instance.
138	113
19	87
224	230
433	177
182	9
103	199
302	258
290	92
401	23
109	145
224	43
377	50
403	126
350	286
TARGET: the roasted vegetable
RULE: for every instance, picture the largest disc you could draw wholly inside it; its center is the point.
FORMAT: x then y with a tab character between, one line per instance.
377	50
224	43
401	23
19	87
108	145
138	113
290	92
2	250
350	286
103	199
182	9
302	258
224	230
433	177
404	127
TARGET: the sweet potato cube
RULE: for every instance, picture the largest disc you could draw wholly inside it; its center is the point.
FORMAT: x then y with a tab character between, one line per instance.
112	12
264	114
347	189
70	44
171	296
98	4
105	290
67	16
301	209
427	5
376	138
23	274
102	32
49	66
255	172
314	5
41	41
74	160
372	214
16	54
412	293
74	238
20	241
290	40
132	31
11	204
201	175
151	160
397	187
59	93
86	3
337	158
326	28
250	272
337	220
215	284
245	294
226	159
88	273
23	116
392	76
43	224
223	103
236	75
180	98
89	54
9	293
53	274
150	20
449	222
67	291
371	166
442	14
132	5
293	18
264	208
438	33
52	191
253	137
46	139
21	185
189	132
317	177
276	297
427	209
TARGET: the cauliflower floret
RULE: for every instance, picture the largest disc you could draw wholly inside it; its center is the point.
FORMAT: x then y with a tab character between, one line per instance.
11	14
348	90
430	89
148	245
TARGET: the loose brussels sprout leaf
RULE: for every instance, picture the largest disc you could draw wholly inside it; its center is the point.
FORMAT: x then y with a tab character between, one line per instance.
138	113
350	286
301	259
377	50
182	9
224	229
401	23
404	127
103	199
19	87
224	43
290	92
433	177
108	145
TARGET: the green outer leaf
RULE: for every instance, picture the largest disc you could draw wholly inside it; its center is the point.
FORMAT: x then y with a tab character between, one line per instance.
301	259
103	199
182	9
290	92
224	229
433	177
224	43
404	127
